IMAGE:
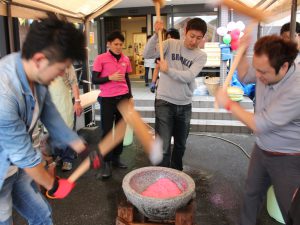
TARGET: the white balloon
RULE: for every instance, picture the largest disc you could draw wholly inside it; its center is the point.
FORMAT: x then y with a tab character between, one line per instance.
240	25
231	26
222	31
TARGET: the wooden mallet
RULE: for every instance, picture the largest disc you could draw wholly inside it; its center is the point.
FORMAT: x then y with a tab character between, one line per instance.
158	4
153	147
111	140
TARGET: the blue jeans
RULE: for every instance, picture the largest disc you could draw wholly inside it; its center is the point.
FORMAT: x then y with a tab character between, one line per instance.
21	192
172	120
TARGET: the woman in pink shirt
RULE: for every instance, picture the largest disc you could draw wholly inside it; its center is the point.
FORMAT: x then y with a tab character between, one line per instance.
110	71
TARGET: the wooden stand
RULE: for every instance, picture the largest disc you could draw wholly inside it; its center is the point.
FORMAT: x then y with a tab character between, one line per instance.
129	215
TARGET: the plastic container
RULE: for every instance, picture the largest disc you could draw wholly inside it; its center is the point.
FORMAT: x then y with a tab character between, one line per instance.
212	83
128	138
272	206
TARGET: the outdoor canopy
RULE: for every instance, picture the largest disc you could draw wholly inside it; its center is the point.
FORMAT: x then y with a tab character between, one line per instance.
74	10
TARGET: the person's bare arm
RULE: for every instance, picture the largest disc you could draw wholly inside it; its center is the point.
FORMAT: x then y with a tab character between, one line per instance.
155	73
240	113
77	104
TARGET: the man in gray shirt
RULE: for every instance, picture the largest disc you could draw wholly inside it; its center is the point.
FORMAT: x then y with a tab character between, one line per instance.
173	109
276	124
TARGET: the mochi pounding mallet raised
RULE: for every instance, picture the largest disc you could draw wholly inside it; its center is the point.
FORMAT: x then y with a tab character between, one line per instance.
158	4
153	147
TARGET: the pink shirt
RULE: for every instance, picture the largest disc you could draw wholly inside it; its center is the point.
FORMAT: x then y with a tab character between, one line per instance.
107	64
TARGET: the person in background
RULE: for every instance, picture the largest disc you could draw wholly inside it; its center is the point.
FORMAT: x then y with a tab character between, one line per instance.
149	64
170	33
173	108
285	33
111	71
276	154
48	50
61	95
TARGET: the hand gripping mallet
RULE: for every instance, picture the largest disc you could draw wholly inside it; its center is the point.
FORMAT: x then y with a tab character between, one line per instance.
111	140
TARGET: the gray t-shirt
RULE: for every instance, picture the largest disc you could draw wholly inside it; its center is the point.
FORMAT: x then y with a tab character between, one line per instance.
277	112
178	84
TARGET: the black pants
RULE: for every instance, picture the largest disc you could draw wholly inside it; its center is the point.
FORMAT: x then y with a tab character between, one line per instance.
109	116
147	70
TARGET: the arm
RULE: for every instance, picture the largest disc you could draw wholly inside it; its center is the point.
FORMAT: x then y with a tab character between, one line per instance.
152	49
242	68
155	73
72	79
16	143
240	113
40	175
128	84
245	73
97	79
185	76
57	128
77	105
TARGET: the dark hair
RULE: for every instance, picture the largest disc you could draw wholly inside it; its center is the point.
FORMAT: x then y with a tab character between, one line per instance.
286	28
174	33
58	39
115	35
148	37
277	50
197	24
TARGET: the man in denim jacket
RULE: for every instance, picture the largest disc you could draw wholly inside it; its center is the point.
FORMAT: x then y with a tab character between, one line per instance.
50	47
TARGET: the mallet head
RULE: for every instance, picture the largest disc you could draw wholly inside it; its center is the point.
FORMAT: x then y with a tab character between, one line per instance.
161	2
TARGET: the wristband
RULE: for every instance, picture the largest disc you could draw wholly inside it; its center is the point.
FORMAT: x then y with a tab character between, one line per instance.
228	105
77	100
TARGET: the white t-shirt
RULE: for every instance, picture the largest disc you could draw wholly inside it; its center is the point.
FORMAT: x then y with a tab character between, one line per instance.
149	63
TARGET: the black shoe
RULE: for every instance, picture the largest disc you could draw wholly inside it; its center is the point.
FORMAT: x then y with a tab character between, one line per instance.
146	84
119	164
106	172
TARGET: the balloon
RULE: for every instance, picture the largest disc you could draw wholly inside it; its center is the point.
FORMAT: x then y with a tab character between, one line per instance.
222	31
227	39
235	34
240	25
234	45
231	26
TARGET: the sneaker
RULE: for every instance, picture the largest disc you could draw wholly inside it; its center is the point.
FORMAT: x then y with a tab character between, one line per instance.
67	166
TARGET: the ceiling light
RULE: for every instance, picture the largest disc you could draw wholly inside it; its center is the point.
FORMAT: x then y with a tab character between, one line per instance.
129	17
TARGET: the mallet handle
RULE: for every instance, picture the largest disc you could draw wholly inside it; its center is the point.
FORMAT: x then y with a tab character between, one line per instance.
254	13
157	10
108	143
238	57
132	117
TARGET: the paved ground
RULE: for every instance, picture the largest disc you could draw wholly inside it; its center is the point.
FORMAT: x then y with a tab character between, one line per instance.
217	167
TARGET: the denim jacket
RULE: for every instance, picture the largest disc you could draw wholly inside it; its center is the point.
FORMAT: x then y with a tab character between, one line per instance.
16	111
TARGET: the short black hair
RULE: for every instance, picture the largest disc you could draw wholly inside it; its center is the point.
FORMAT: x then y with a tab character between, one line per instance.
197	24
286	28
174	33
115	35
58	39
277	50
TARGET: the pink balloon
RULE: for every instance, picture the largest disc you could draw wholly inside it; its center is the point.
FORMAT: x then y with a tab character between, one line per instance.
235	34
234	45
